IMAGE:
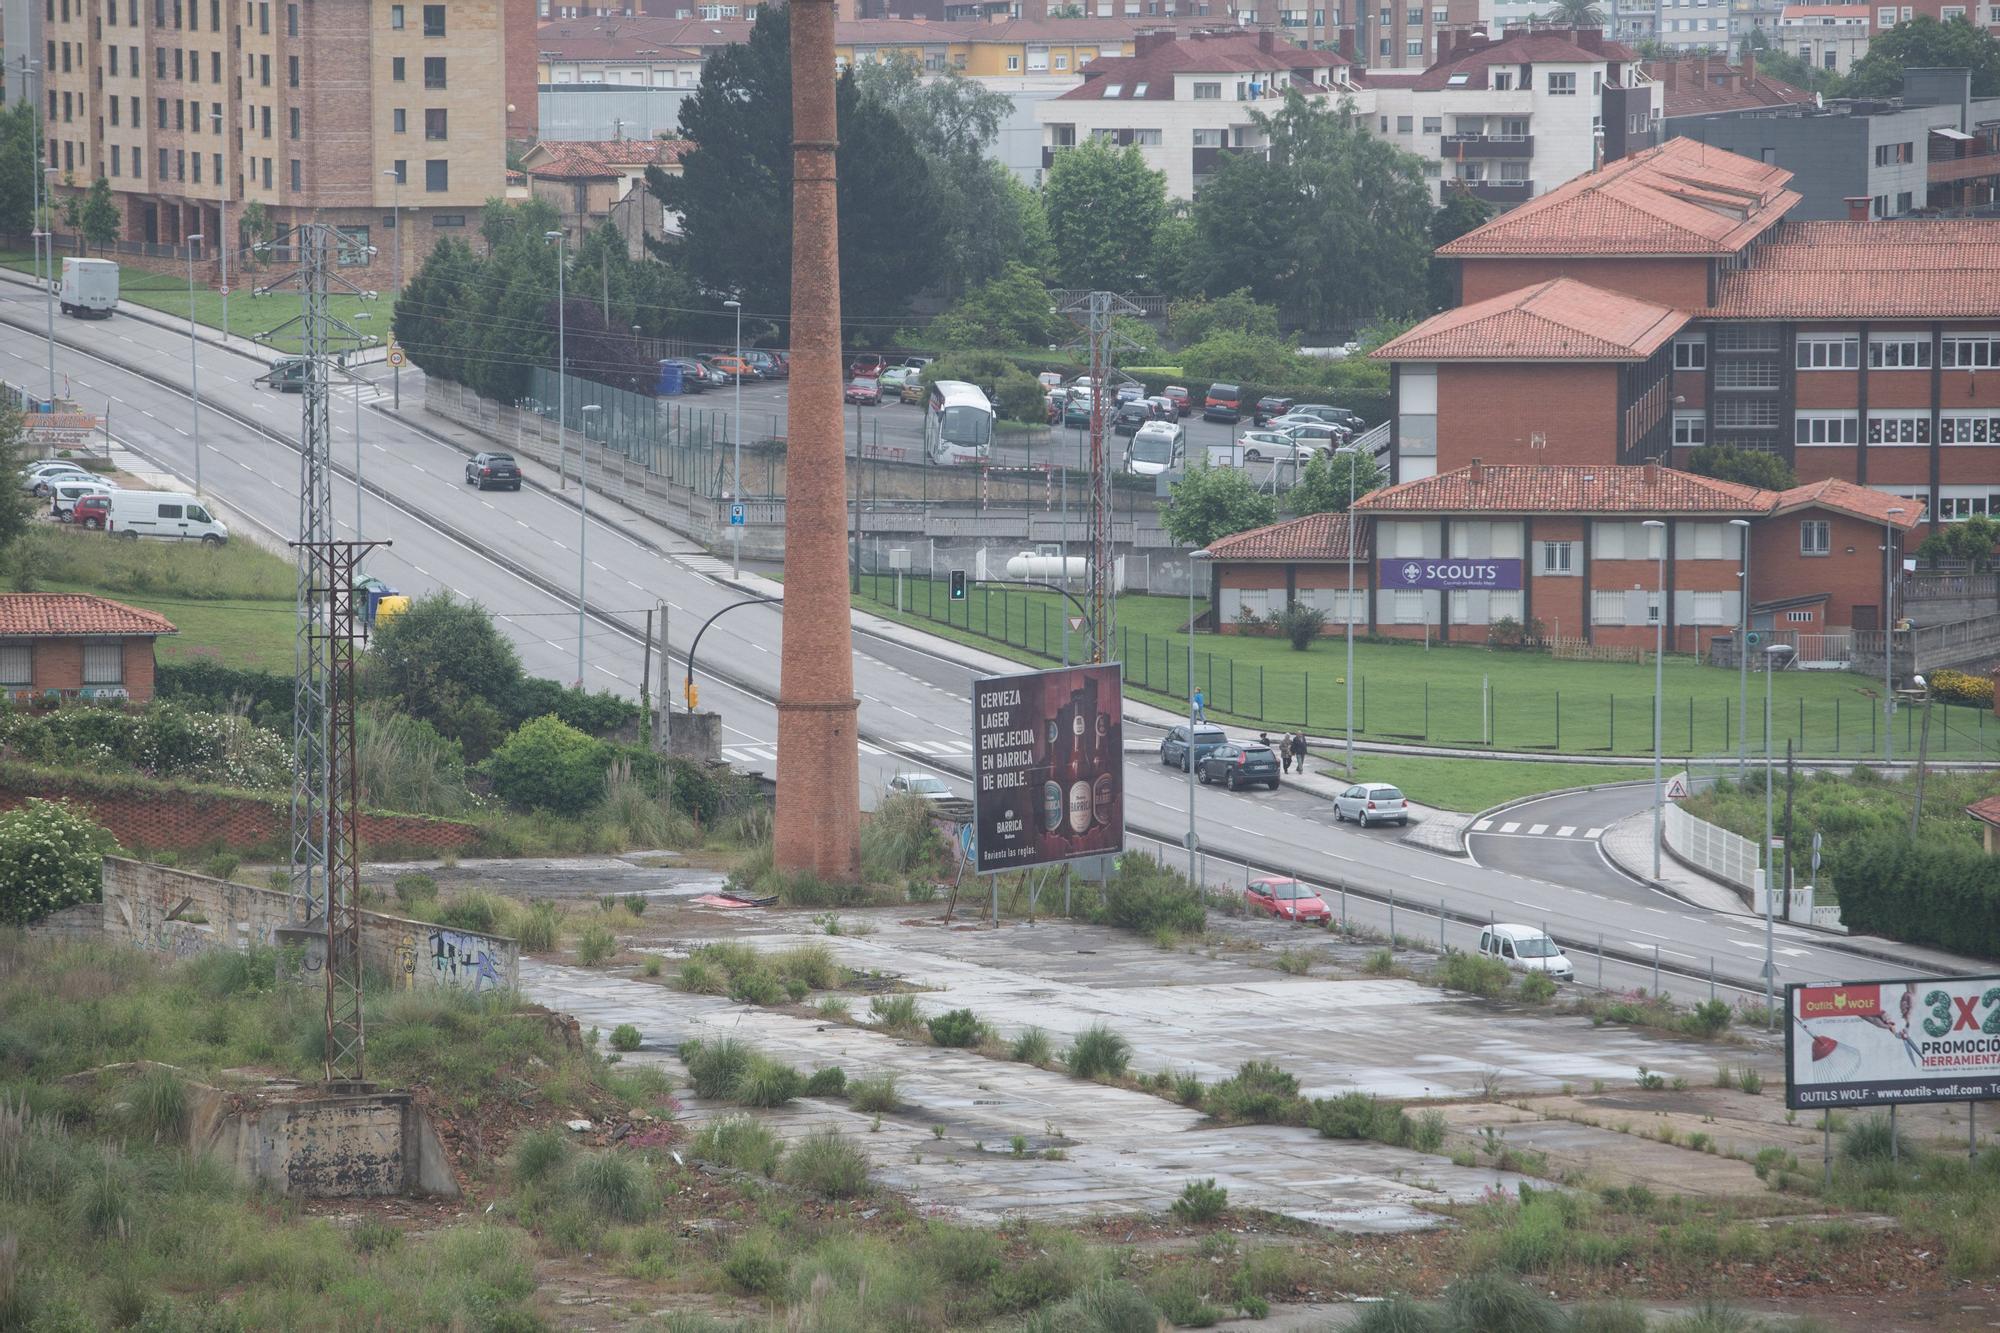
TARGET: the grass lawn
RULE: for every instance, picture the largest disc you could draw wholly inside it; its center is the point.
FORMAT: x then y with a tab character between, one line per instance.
253	635
1444	695
249	316
1477	784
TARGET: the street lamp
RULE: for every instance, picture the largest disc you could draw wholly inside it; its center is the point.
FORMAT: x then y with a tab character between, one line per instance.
562	363
41	236
1888	637
1742	526
396	234
49	286
1192	841
736	434
1353	460
1772	653
583	530
194	364
1659	683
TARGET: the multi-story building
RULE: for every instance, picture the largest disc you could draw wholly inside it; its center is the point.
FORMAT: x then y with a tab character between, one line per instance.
333	111
1704	85
590	184
1683	27
1829	37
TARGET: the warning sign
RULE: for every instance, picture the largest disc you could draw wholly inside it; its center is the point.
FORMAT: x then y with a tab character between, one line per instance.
1677	787
396	357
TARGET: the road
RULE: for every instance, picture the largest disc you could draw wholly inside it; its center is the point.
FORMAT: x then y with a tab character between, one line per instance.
517	554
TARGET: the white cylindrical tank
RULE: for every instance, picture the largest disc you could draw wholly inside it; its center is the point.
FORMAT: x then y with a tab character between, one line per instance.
1048	568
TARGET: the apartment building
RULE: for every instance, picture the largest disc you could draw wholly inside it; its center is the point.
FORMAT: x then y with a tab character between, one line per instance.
1683	27
1402	35
1829	37
1861	351
1704	85
333	111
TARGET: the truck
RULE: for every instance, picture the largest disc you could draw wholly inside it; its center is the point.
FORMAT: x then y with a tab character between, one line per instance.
89	288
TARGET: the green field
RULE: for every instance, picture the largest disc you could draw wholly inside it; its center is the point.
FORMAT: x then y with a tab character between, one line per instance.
1445	696
249	316
1468	785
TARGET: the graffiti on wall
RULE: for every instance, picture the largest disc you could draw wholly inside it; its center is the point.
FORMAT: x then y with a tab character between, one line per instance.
463	961
406	962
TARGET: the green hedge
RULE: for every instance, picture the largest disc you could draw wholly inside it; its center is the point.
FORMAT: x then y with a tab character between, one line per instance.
1939	894
213	687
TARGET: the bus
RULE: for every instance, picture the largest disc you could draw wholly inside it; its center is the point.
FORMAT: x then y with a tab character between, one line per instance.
958	423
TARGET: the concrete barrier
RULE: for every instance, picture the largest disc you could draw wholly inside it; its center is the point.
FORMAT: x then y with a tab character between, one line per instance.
310	1144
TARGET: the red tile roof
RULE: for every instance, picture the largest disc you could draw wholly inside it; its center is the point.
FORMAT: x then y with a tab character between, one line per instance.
1518	46
1558	320
1157	58
1987	810
1847	498
1681	198
1704	86
1557	489
573	159
1314	537
52	615
1903	268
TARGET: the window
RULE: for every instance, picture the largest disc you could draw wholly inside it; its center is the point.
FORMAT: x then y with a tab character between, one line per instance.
294	114
291	20
433	20
1746	337
402	170
1899	351
264	17
1799	617
266	119
1408	608
395	18
1708	608
165	164
114	62
1980	351
1825	428
1562	85
264	70
433	71
1621	541
1405	124
1414	46
1888	154
1899	428
1704	541
1969	426
399	120
1062	62
1690	353
159	62
353	250
1824	351
1210	138
434	125
1433	124
114	122
292	71
447	219
1555	558
396	70
1746	413
1013	63
215	67
437	175
1208	92
1502	82
1143	138
104	661
1690	428
1815	538
298	176
1607	607
17	662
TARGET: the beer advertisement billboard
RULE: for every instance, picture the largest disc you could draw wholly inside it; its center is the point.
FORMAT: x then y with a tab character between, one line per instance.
1048	754
1875	1043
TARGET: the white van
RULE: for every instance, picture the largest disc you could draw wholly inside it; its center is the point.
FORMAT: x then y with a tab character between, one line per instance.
63	498
135	514
1158	446
89	288
1526	949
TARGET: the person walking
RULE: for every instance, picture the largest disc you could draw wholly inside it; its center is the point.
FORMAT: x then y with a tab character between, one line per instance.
1285	752
1200	713
1299	749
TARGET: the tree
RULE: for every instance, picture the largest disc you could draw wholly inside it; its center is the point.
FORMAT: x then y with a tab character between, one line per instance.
253	228
1241	358
1775	63
1925	43
443	661
17	510
1749	467
1192	321
1016	395
1011	310
1574	14
549	765
1207	504
20	133
51	857
1104	206
98	218
1330	483
734	193
1970	540
1461	212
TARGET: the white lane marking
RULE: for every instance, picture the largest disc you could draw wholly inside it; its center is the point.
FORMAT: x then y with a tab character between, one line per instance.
1480	826
1593	833
1510	828
1565	830
1538	830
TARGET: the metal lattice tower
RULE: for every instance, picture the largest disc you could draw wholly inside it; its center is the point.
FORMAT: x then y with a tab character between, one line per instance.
1098	311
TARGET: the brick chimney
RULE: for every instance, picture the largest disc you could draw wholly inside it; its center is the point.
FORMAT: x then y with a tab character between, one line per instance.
1857	207
1749	68
1267	40
1347	46
1669	71
1590	39
1652	473
1475	473
1143	43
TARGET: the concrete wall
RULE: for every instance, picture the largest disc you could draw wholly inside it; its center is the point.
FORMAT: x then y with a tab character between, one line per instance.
181	913
316	1146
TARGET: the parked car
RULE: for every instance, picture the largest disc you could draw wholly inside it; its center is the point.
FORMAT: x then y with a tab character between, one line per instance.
1312	435
732	367
1049	380
917	363
170	514
695	377
1224	403
1271	444
1130	393
66	495
770	365
92	511
892	381
1286	899
1129	417
913	390
1237	766
493	469
44	478
926	785
1270	405
1163	408
1179	397
1526	949
1371	803
1076	412
864	389
867	366
1338	416
1174	745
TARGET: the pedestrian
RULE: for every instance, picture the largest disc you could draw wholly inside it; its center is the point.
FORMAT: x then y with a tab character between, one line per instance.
1200	714
1264	739
1299	750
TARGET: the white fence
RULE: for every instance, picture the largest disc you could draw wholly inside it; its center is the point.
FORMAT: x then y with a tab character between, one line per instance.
1714	851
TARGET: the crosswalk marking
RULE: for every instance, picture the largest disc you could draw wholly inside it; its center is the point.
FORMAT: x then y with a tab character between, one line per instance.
1538	830
1519	830
1565	830
1593	833
767	753
1480	826
1510	828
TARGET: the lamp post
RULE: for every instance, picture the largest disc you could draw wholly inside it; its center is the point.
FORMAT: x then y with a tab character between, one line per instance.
1772	652
1192	841
1659	683
358	488
1353	460
49	286
194	364
396	237
1742	526
589	410
562	363
736	436
222	247
1888	637
40	236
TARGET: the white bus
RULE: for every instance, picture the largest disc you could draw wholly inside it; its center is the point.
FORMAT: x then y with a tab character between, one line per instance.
958	423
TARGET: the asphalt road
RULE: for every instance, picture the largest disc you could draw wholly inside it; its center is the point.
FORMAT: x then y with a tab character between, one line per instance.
517	553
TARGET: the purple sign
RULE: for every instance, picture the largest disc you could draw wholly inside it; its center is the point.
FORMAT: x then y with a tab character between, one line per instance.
1451	572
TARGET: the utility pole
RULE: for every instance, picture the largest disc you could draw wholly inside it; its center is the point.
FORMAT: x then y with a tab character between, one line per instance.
1791	772
1923	757
1099	310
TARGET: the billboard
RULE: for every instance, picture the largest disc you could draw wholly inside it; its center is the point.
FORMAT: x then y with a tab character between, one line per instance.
1875	1043
1406	573
1048	755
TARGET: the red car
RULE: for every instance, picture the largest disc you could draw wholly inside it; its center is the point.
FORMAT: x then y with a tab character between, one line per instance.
1178	396
867	366
1286	899
863	389
92	511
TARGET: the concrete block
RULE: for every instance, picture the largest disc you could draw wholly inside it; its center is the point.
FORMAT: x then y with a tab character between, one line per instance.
312	1144
696	736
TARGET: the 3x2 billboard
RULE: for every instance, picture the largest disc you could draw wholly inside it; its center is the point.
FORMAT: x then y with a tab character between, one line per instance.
1878	1043
1048	754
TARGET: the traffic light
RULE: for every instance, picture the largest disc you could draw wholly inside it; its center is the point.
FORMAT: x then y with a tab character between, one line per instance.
957	585
693	695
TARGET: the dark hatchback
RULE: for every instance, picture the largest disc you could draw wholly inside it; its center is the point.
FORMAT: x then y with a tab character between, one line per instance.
484	470
1174	746
1240	766
1271	405
1223	403
1130	417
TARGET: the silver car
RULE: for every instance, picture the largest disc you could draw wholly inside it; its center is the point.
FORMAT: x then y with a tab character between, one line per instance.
1371	803
933	789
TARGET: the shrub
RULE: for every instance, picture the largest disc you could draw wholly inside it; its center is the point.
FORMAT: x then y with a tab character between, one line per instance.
897	1013
1427	1131
1382	963
1398	1314
738	1141
828	1082
756	987
827	1164
615	1186
539	1155
1144	895
540	928
1707	1019
755	1264
635	903
899	840
51	857
1749	1080
1188	1090
1031	1047
1259	1091
595	944
1872	1140
478	910
1536	988
1295	962
625	1037
1109	1306
1483	976
714	1066
549	765
1356	1115
156	1105
1493	1303
103	1200
766	1082
874	1095
701	977
1958	687
957	1027
1201	1201
810	963
1098	1052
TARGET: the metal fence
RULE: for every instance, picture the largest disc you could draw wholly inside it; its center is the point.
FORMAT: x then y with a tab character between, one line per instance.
1711	849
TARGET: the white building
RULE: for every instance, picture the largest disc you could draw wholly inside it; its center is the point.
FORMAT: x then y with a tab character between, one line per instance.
1825	36
1682	27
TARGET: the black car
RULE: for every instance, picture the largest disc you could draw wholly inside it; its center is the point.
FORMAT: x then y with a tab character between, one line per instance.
1270	405
1240	766
1333	416
1130	417
695	376
484	470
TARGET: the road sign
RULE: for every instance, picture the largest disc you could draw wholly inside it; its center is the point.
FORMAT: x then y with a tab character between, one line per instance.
1815	851
1076	622
736	516
968	844
1677	787
1753	638
396	357
1191	840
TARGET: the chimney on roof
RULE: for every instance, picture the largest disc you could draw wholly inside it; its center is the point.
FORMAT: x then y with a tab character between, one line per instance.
1145	41
1447	43
1749	68
1590	39
1652	473
1857	207
1267	40
1475	474
1671	72
1347	45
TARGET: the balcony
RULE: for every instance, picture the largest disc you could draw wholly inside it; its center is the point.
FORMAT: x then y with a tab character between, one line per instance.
1499	192
1478	147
